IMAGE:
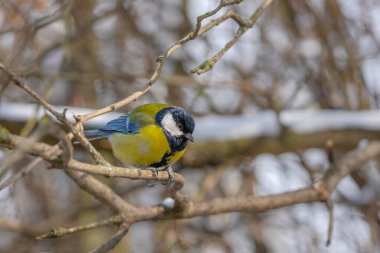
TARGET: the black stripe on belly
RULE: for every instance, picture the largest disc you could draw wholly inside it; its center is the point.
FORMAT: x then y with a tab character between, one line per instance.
163	162
176	144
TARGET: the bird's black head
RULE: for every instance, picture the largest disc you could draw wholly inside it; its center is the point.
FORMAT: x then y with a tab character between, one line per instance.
178	126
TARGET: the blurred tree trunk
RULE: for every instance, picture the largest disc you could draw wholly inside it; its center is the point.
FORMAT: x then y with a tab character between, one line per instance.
80	56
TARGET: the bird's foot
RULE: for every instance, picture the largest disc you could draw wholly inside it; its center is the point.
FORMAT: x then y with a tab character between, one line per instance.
151	183
170	175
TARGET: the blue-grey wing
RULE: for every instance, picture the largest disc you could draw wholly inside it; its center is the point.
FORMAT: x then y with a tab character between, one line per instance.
122	125
119	125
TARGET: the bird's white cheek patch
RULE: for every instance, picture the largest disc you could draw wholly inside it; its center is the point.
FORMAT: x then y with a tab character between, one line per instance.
169	125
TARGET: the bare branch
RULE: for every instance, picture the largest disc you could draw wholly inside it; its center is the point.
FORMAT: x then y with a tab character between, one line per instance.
244	26
113	241
329	206
61	232
21	173
347	165
100	191
20	83
208	14
60	116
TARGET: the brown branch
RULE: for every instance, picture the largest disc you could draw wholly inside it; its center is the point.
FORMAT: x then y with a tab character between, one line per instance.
21	173
60	116
61	231
100	191
106	196
220	205
244	25
330	228
45	128
208	14
62	155
216	206
113	241
20	83
42	150
15	155
319	193
351	161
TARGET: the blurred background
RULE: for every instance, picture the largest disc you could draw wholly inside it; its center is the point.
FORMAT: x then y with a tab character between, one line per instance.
306	73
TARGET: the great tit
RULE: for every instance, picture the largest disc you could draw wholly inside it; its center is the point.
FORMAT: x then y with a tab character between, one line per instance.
152	136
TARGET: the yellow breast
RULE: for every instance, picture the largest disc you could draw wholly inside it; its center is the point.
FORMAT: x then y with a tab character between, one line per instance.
143	149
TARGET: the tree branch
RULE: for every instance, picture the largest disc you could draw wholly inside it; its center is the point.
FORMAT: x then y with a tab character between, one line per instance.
321	191
113	241
244	25
100	191
61	231
75	130
42	150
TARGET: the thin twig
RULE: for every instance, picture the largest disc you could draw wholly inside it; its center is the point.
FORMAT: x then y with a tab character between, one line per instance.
330	152
208	14
329	206
20	83
244	25
75	130
100	191
47	128
113	241
61	231
22	173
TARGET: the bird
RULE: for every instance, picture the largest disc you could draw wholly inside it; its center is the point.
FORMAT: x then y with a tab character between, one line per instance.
151	136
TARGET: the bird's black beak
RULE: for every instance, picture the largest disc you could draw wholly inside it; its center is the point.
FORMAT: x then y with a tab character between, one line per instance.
190	137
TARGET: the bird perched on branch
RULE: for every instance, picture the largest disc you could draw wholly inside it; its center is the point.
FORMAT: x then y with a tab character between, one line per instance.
152	136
